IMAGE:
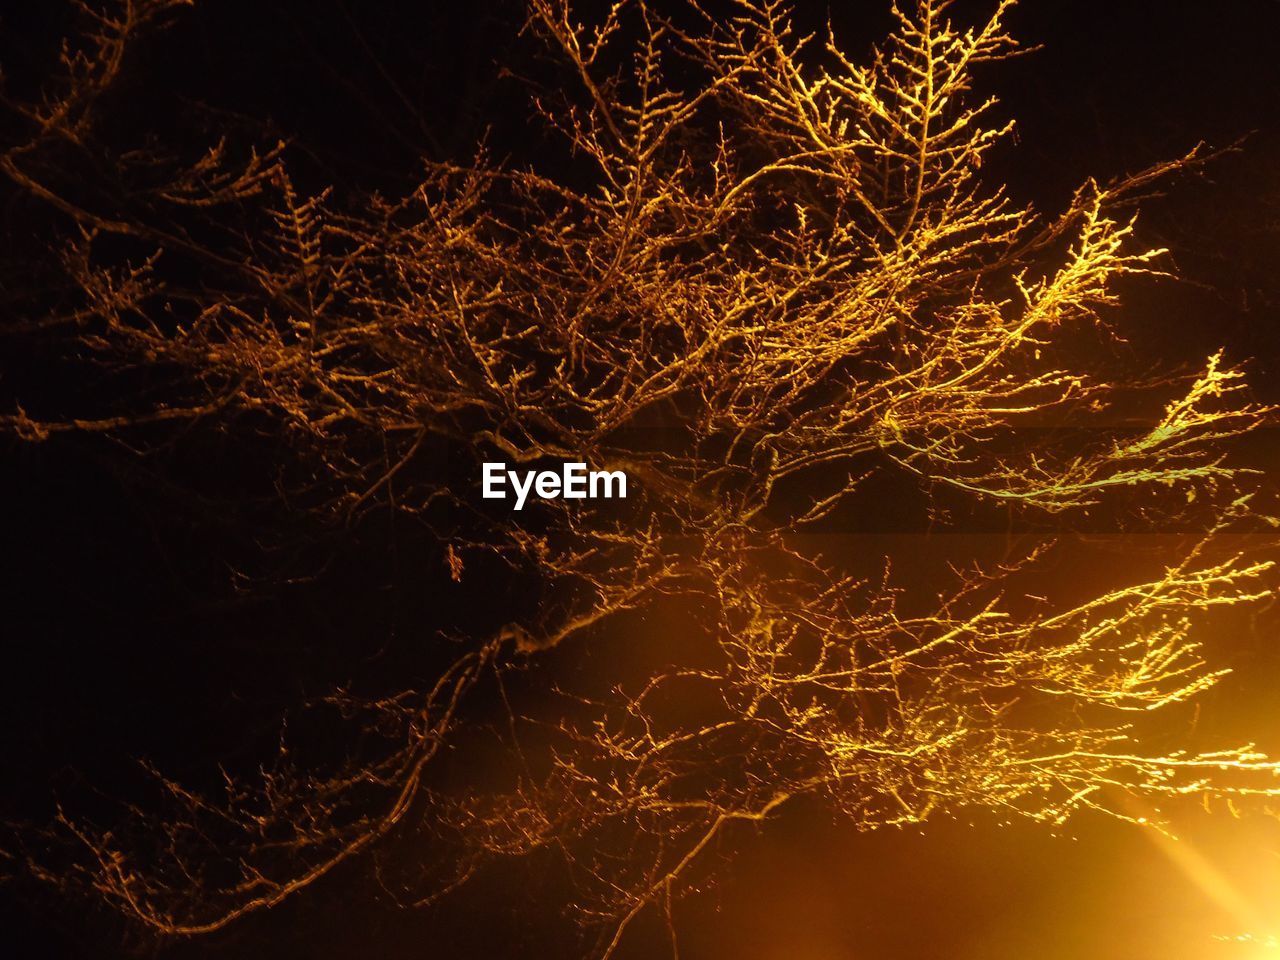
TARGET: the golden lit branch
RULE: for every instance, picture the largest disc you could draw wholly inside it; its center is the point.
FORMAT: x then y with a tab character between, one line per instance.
785	268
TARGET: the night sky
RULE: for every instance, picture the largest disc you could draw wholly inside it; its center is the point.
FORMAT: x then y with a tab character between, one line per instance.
125	633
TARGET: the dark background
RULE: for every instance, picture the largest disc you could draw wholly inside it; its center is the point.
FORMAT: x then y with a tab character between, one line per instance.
122	636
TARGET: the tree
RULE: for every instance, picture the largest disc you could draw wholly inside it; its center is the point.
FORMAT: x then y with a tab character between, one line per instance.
766	274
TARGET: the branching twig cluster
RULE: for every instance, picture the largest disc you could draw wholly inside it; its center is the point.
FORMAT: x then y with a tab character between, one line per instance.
781	272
